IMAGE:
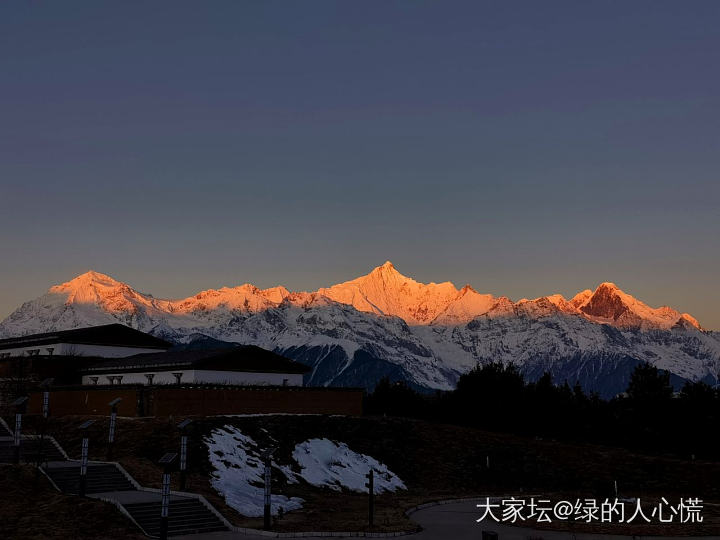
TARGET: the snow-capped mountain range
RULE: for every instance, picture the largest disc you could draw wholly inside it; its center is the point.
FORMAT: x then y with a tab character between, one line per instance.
386	324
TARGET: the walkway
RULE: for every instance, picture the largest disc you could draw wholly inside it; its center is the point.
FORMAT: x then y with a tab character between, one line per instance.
456	521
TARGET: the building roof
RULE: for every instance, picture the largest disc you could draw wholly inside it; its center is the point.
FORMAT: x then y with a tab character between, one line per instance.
117	335
64	369
245	358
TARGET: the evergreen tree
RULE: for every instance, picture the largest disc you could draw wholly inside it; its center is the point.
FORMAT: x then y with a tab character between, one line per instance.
649	385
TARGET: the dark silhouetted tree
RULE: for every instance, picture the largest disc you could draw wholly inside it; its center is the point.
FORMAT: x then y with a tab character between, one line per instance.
649	385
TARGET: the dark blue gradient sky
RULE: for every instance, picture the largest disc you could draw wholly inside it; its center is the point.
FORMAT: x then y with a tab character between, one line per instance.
524	147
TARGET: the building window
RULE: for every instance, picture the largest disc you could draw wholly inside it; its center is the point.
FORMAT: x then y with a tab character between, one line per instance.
33	352
149	377
286	382
119	379
94	380
111	379
177	376
5	355
50	350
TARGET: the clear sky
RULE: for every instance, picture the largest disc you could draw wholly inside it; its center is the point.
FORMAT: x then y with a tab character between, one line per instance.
525	148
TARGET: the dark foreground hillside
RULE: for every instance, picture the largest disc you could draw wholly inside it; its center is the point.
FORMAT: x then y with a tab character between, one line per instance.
30	508
435	461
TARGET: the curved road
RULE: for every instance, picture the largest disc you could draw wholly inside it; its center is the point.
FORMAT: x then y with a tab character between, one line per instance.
456	521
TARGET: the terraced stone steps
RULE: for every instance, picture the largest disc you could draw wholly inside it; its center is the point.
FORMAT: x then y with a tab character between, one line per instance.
100	478
186	516
30	451
5	431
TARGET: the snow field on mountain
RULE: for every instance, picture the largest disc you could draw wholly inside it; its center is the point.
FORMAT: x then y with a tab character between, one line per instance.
98	298
387	324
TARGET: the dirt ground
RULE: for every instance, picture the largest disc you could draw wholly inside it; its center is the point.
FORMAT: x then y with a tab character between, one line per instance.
31	508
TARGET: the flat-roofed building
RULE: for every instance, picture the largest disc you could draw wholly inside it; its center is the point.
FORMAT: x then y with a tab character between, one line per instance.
245	365
106	341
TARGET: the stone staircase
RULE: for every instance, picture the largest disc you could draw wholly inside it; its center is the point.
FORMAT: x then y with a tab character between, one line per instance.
5	431
186	516
101	478
108	481
30	450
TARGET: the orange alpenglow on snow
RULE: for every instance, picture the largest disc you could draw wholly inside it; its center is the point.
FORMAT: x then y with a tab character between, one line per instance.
385	292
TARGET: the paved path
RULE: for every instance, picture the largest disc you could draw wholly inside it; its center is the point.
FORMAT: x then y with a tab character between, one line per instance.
456	521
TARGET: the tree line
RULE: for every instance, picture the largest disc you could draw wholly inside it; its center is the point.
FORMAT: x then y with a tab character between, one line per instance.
649	417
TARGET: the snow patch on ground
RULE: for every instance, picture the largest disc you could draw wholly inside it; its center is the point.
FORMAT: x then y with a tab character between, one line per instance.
325	463
238	474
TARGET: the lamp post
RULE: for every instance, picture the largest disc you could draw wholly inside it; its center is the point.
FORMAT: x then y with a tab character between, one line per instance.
84	457
166	461
371	496
266	456
19	405
113	421
45	385
182	426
